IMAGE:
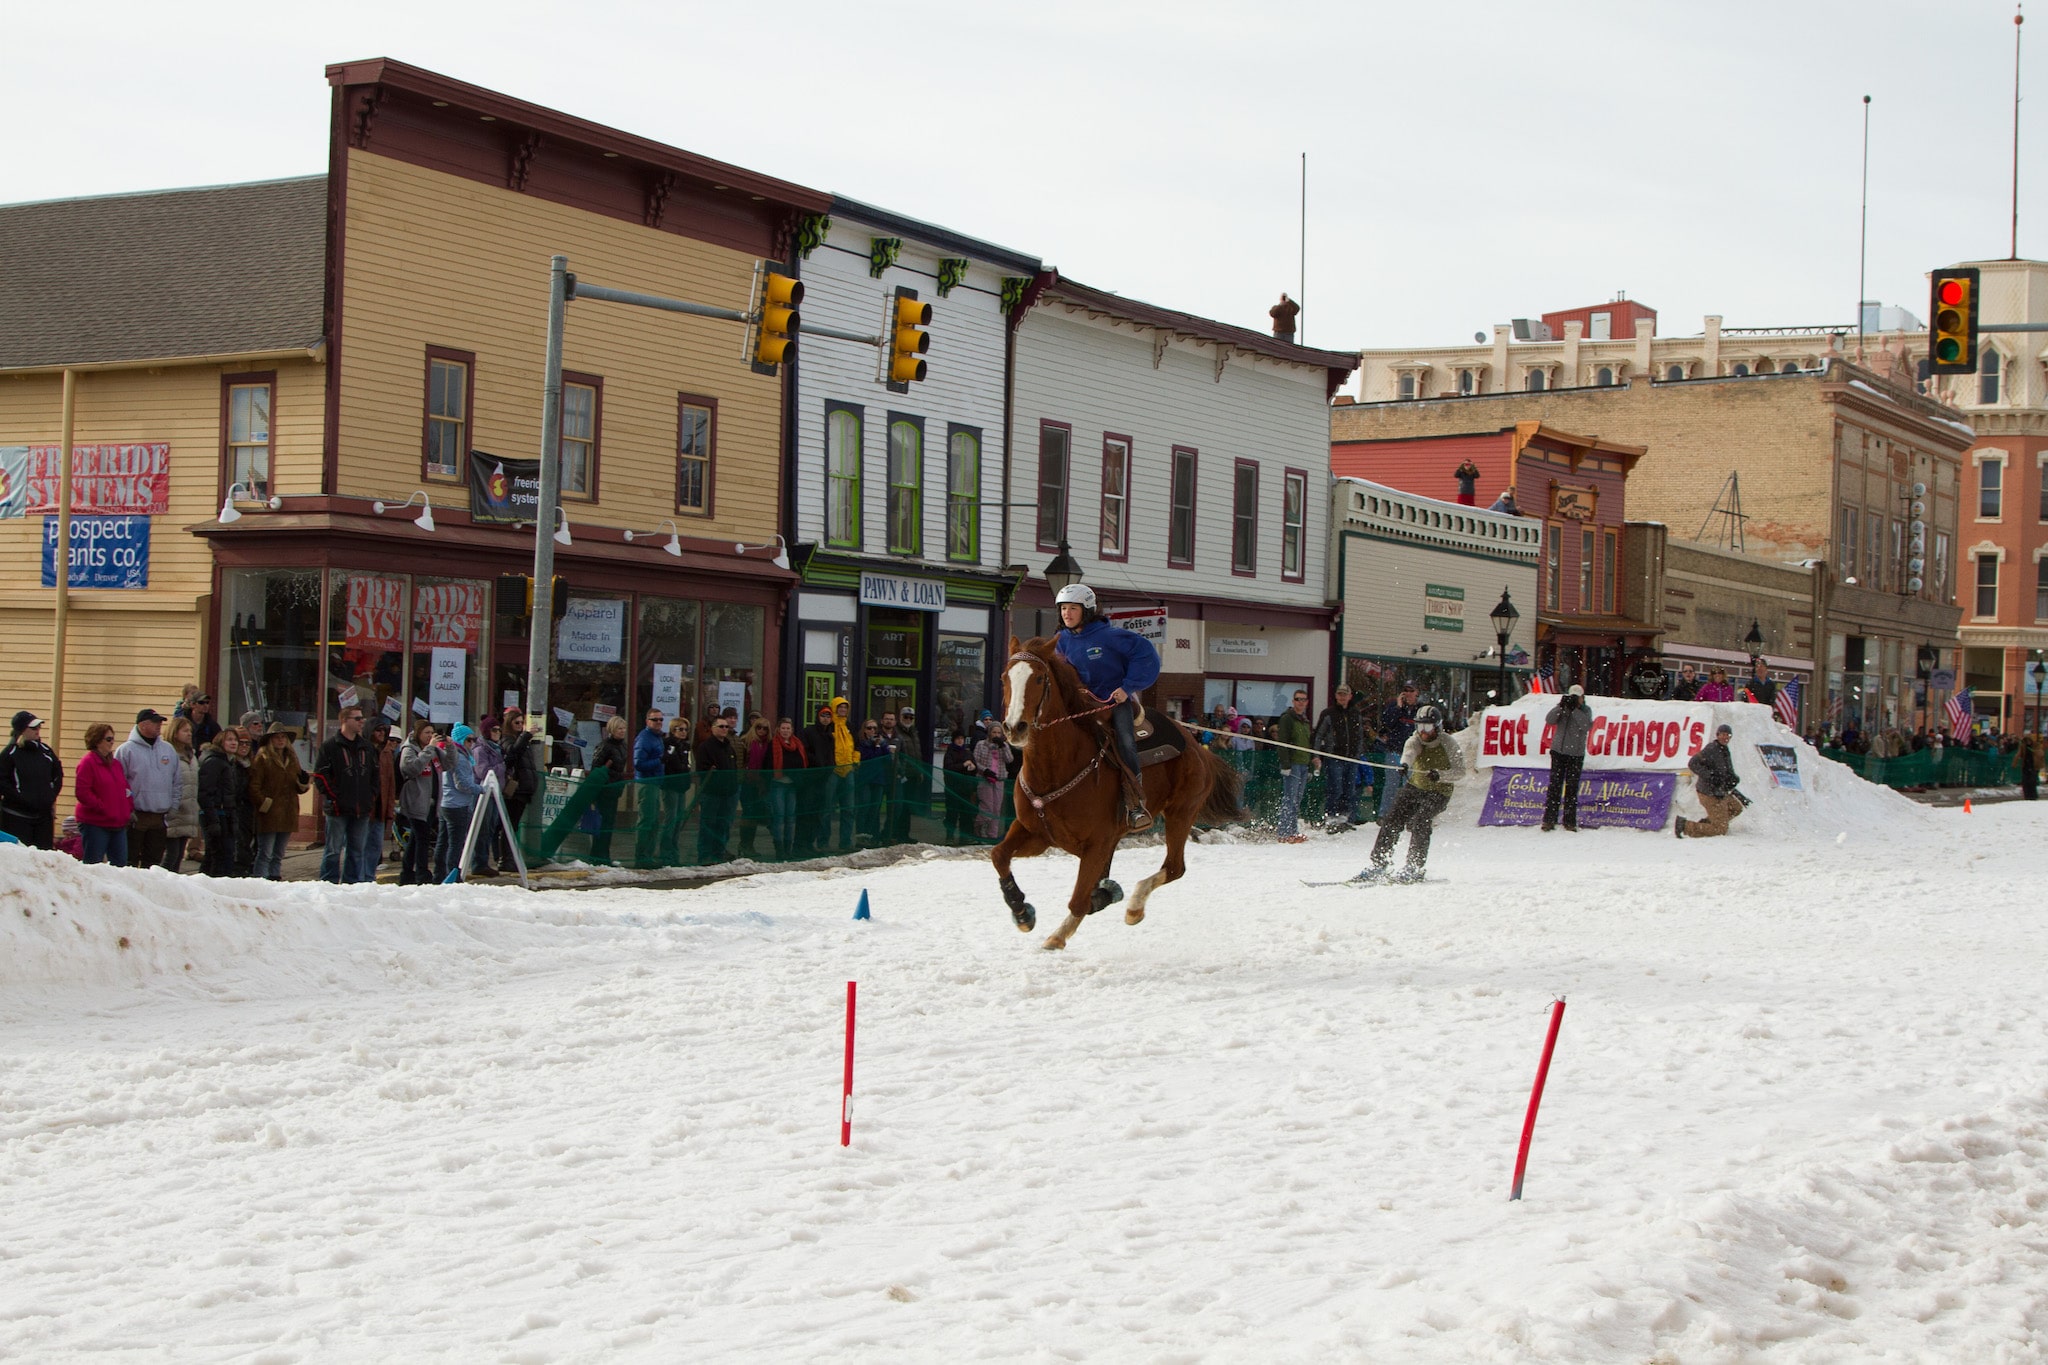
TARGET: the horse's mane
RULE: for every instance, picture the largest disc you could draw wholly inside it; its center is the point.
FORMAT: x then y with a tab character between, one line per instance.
1068	684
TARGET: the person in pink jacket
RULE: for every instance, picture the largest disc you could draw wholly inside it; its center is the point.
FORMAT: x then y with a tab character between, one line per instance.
104	809
1716	687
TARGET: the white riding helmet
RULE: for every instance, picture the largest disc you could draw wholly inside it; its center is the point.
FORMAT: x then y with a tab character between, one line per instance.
1079	593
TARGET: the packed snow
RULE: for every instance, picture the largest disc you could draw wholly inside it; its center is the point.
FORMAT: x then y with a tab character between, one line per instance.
1798	1110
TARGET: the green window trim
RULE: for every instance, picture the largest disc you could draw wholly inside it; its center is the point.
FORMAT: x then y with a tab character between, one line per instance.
844	460
963	494
906	485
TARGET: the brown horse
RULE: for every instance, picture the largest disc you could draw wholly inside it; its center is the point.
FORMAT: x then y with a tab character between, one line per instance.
1069	789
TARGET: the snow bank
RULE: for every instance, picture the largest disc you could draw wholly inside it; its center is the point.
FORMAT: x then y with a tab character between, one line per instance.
1831	798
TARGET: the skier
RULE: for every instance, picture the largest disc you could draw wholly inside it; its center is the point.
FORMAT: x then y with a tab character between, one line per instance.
1115	665
1433	764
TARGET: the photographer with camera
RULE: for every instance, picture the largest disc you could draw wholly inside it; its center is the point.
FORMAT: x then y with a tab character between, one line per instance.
1713	770
1569	723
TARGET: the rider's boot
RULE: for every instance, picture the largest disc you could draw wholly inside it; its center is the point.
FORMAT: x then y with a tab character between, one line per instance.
1137	817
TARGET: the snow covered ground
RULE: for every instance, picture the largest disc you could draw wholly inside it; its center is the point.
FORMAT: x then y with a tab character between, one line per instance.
1799	1109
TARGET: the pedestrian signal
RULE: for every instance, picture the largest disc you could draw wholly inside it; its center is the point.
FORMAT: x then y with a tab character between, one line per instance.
1952	330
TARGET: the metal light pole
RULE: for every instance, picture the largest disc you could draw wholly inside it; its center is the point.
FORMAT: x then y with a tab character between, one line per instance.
542	626
1504	617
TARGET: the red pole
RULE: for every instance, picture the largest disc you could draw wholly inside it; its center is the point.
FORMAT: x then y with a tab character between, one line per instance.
1535	1095
846	1100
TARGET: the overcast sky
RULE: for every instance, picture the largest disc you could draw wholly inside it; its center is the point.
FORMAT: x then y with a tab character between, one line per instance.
1467	162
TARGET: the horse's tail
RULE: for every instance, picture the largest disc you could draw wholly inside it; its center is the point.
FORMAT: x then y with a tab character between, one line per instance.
1226	787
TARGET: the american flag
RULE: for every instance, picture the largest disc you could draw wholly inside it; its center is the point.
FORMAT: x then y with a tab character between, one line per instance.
1787	704
1960	715
1543	680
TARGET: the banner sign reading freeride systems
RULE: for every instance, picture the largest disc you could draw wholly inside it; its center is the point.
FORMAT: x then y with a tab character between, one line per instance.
1627	736
131	479
503	491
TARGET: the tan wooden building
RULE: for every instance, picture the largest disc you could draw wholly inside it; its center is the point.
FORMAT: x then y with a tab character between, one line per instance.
256	367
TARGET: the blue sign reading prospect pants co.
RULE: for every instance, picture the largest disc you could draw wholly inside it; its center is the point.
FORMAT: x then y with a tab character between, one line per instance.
106	552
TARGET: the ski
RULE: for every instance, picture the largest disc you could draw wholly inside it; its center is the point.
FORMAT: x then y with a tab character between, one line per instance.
1375	881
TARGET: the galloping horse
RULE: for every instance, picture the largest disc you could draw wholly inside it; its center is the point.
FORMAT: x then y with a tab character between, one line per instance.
1068	789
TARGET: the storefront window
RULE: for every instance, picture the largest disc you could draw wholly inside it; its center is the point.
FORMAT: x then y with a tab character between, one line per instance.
448	616
270	647
365	644
1259	698
732	657
665	656
588	680
961	675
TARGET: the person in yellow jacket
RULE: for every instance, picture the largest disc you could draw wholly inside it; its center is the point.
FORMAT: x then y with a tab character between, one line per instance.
845	760
1433	763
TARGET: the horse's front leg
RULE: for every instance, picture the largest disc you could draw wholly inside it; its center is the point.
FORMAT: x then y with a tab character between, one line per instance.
1017	842
1095	859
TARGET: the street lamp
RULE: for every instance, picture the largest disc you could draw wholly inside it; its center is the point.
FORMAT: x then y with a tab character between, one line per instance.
1504	617
1755	640
2040	671
1062	572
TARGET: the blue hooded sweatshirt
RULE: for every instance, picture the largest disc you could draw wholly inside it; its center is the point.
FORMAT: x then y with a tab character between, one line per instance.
1108	657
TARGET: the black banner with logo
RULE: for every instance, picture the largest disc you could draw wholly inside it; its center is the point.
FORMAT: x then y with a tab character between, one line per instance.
502	491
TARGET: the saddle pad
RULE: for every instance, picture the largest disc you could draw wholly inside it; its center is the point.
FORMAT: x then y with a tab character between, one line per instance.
1160	741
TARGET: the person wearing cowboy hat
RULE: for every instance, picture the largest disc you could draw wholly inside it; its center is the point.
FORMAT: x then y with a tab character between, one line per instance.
276	782
31	777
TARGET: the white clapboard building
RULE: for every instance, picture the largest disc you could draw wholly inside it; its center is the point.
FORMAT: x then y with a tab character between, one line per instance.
896	489
1184	465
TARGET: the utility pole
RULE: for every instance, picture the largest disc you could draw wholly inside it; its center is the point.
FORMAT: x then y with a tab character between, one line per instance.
1863	231
542	625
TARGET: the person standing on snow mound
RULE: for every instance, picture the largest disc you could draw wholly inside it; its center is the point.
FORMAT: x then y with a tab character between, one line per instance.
1115	665
1714	773
1570	723
1433	764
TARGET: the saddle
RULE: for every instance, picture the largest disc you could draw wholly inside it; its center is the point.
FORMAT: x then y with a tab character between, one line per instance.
1160	738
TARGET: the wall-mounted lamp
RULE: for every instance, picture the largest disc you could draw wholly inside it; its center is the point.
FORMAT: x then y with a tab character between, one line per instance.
781	560
230	514
675	539
562	527
425	520
1419	649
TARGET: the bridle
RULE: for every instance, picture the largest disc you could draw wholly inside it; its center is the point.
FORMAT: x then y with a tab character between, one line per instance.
1037	801
1025	656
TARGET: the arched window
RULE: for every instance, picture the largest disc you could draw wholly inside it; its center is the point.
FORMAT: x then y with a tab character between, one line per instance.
1990	366
1789	367
1674	372
1740	371
1407	386
1535	381
1604	376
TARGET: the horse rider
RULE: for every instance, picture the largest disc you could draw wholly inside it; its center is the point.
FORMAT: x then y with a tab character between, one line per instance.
1115	665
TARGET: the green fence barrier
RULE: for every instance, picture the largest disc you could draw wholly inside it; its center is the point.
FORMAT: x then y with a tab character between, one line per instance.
1955	768
703	819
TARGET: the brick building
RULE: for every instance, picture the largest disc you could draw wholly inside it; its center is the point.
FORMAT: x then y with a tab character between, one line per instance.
2003	587
1832	467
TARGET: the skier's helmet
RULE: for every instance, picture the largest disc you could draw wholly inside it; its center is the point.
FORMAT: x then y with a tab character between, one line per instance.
1428	718
1079	593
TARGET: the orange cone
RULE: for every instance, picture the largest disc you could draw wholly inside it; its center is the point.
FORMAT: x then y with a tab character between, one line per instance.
1966	806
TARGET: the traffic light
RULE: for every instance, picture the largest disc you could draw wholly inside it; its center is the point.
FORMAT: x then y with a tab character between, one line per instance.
775	318
515	597
907	340
1952	333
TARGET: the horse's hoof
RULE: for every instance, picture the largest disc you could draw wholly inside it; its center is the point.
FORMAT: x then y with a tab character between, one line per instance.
1054	944
1025	916
1134	916
1104	896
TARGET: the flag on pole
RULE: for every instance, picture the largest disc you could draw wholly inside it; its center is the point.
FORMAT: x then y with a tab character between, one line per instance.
1787	704
1960	715
1544	680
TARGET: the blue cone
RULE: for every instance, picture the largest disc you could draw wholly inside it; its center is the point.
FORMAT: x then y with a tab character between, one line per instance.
861	911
